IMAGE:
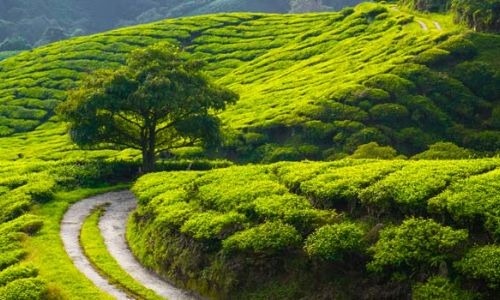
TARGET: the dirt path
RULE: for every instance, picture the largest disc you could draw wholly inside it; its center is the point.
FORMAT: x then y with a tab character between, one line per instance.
70	234
113	226
423	25
437	25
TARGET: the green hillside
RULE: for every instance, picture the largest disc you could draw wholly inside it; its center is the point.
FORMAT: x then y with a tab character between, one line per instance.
310	85
31	23
348	229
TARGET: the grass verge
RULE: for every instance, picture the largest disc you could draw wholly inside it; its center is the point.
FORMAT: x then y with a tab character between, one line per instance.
95	249
46	250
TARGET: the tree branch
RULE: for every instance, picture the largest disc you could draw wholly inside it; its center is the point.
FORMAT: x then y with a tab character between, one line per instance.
128	120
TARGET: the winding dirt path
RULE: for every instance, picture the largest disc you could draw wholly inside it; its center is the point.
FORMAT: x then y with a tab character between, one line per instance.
437	25
423	25
113	227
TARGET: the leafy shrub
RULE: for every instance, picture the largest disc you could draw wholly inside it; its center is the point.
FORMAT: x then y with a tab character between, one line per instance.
439	288
364	136
395	85
17	272
24	289
472	200
408	189
292	209
338	186
482	263
416	244
433	57
443	150
459	47
389	113
482	78
269	237
374	150
212	225
333	242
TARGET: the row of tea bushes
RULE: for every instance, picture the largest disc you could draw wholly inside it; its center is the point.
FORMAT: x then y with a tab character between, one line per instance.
293	230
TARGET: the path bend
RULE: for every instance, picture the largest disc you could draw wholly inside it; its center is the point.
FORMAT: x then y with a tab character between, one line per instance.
113	228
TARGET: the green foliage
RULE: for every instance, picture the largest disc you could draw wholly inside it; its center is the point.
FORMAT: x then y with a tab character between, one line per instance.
409	189
337	186
433	57
478	15
211	225
333	242
471	200
459	47
439	288
480	77
427	5
276	225
267	238
24	289
482	263
416	244
157	102
15	272
375	151
290	75
389	113
444	150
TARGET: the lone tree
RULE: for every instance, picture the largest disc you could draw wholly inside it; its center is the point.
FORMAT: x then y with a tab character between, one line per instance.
157	102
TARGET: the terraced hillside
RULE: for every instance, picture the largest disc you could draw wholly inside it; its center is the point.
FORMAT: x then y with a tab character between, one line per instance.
349	229
310	85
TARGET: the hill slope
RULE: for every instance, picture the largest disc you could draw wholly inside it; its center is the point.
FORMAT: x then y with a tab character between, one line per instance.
26	23
332	81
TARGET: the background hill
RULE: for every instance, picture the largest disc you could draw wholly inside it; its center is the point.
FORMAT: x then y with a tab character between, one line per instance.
312	85
28	23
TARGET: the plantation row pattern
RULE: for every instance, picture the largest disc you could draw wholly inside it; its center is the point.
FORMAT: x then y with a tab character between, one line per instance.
291	227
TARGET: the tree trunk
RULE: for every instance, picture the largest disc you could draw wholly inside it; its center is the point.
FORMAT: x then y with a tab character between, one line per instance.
149	149
148	160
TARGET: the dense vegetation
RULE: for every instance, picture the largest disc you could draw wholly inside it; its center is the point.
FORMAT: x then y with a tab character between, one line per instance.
25	184
158	102
410	88
350	229
30	23
368	81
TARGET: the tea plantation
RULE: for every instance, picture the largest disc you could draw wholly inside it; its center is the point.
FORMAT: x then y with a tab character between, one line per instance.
313	86
350	229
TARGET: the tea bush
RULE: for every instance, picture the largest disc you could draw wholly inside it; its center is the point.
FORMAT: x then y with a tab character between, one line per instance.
482	263
266	238
333	242
439	288
415	245
24	289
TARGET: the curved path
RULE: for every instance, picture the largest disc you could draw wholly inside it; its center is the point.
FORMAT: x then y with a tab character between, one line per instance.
113	227
423	25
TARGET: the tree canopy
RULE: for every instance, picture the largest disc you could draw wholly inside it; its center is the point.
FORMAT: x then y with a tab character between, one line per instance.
160	100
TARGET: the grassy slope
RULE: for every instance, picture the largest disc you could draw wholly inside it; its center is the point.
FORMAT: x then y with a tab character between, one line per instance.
192	217
282	65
